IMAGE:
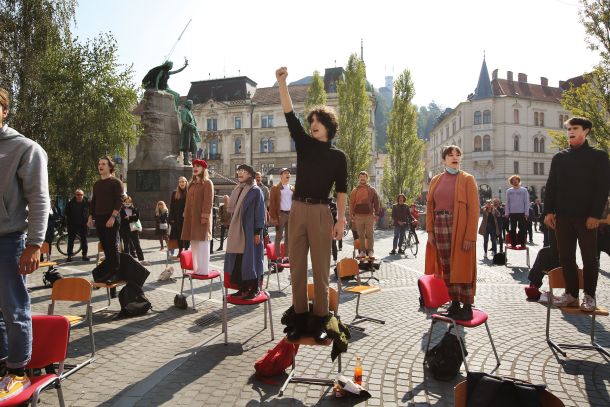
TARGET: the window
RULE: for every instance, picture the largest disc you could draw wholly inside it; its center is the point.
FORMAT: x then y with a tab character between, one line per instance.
267	121
539	119
446	131
486	143
541	145
237	121
541	168
212	125
460	114
516	116
477	143
516	143
477	117
487	116
535	144
238	145
535	168
453	127
562	119
516	167
264	145
270	145
293	146
213	148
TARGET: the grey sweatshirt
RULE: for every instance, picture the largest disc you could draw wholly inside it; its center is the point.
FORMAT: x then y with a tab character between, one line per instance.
24	186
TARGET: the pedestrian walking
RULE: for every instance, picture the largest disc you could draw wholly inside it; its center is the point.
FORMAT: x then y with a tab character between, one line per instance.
77	212
490	227
401	219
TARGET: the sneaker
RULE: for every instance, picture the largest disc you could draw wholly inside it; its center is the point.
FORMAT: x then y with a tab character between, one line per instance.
401	251
588	304
11	385
238	293
371	253
85	258
393	252
565	300
252	294
544	298
69	259
452	311
361	254
145	263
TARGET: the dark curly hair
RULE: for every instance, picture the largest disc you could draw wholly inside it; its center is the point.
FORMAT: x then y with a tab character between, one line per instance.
327	116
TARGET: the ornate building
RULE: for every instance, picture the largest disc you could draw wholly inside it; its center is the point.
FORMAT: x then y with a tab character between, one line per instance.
503	130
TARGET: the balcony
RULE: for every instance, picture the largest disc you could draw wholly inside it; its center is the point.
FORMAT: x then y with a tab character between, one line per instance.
482	155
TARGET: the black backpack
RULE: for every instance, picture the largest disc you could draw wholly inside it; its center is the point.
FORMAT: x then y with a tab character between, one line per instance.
499	259
444	360
133	301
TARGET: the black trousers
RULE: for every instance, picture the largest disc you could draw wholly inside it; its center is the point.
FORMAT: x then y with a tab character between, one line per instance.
131	243
569	230
81	231
546	260
109	238
517	220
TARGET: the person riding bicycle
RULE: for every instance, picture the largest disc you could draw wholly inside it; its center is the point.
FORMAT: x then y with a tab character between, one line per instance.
402	219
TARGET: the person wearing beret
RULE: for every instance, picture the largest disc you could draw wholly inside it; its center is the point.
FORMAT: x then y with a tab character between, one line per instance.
197	226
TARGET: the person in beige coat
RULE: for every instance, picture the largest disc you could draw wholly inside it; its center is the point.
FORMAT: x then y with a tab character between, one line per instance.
197	226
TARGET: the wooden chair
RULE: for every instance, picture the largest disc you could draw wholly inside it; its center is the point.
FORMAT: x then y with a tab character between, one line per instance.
108	287
75	289
100	253
45	251
357	248
333	304
273	266
460	397
557	281
348	268
186	263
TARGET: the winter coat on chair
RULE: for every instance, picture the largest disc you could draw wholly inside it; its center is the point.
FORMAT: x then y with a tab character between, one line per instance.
465	223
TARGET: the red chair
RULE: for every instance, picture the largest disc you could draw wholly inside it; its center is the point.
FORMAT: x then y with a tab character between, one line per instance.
186	263
262	297
509	246
434	294
272	265
49	345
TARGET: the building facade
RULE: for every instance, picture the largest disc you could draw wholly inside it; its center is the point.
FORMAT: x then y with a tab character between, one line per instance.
503	129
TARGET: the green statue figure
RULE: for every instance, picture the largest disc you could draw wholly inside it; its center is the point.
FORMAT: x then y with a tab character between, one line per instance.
190	135
157	78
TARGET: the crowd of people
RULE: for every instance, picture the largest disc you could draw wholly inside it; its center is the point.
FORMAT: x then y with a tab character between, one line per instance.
309	223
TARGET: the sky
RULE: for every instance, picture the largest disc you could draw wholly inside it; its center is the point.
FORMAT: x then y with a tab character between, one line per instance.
442	42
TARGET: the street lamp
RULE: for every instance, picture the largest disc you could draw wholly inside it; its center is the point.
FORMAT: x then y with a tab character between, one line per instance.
249	156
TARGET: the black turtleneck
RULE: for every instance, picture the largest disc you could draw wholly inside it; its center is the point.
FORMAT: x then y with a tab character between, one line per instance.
578	183
319	164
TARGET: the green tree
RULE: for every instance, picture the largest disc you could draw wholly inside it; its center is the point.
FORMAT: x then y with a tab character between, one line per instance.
403	169
354	136
592	99
427	118
382	111
316	95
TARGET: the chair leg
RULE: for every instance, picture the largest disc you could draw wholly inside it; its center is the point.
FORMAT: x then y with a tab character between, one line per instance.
270	319
210	296
265	312
90	316
358	316
493	346
290	375
224	315
192	292
528	257
339	362
462	346
428	342
182	285
60	395
268	273
279	288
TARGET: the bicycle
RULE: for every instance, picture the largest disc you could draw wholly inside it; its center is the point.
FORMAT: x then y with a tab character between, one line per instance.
411	241
61	236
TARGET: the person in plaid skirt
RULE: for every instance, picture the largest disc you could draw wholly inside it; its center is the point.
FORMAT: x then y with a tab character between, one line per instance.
452	218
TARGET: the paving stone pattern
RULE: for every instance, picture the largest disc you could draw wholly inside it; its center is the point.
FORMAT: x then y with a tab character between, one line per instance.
173	357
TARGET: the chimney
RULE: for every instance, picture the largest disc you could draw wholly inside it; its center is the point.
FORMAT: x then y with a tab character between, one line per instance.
494	74
509	76
522	77
544	81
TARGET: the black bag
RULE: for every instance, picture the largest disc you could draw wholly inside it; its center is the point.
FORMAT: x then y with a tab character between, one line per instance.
444	360
487	390
180	301
51	276
500	259
133	301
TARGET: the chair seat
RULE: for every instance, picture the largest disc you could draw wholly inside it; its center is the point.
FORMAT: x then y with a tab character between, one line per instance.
74	319
111	285
577	311
363	289
261	297
24	396
47	264
211	275
310	341
478	317
511	247
284	265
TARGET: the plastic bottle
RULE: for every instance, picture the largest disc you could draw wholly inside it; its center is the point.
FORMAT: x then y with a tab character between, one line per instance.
358	371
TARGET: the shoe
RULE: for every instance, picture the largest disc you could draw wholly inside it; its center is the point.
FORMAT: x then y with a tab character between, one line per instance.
11	385
297	330
219	249
393	252
238	293
85	258
533	293
252	294
565	300
401	251
361	255
371	253
588	304
465	314
452	311
69	259
319	332
145	263
531	242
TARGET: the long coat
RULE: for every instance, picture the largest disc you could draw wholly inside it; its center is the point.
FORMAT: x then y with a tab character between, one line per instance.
253	214
198	211
496	217
465	222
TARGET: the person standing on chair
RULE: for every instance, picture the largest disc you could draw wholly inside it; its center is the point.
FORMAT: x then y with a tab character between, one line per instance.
576	193
197	227
25	192
280	203
106	204
311	224
77	212
452	219
176	214
517	211
363	209
401	219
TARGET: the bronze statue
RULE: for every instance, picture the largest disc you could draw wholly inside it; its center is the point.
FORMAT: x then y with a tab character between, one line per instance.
157	78
189	135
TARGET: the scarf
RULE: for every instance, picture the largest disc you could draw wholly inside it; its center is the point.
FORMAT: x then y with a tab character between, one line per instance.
236	242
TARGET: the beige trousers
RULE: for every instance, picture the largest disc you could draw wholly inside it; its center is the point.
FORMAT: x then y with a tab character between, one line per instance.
364	227
281	230
310	228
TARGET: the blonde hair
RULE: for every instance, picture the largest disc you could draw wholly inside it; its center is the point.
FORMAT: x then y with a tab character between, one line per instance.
178	190
5	100
163	208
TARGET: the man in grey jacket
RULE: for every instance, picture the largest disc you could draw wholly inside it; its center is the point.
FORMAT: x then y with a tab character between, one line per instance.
24	207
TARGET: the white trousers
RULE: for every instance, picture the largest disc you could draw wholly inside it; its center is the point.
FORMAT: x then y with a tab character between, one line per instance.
201	256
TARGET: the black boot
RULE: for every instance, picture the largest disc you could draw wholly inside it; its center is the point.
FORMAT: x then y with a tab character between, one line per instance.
454	310
299	328
465	313
319	330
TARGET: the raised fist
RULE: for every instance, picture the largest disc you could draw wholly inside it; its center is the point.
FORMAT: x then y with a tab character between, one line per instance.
281	74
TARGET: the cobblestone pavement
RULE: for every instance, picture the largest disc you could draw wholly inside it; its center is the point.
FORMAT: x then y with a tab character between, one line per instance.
173	357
